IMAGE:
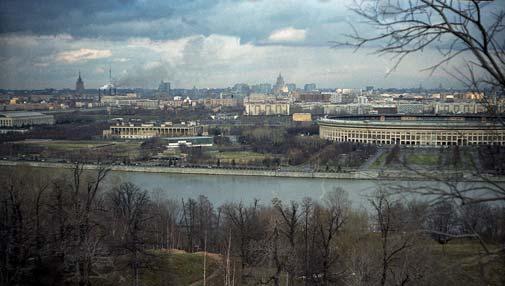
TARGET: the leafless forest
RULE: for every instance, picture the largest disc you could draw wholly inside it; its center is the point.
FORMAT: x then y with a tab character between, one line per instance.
74	229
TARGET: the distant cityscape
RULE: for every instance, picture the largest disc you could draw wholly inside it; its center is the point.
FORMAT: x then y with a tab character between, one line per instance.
279	98
371	113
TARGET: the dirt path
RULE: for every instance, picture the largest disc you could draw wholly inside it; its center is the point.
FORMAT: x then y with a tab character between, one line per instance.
211	256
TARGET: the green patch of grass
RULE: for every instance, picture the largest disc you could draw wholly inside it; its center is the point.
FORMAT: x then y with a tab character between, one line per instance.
379	161
180	268
239	154
467	160
457	250
165	268
118	149
242	157
469	255
425	159
74	145
65	144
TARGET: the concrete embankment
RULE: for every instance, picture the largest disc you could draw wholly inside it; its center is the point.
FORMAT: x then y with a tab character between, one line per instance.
358	175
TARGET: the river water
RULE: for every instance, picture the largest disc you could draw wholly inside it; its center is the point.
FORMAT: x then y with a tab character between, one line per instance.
222	189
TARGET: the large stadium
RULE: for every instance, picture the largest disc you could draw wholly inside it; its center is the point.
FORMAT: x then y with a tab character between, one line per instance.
416	130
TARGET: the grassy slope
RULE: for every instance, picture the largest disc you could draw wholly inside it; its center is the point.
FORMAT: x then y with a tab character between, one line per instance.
379	161
478	268
166	269
424	159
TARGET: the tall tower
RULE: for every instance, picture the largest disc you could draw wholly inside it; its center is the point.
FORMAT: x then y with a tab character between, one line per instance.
79	85
279	85
164	88
280	81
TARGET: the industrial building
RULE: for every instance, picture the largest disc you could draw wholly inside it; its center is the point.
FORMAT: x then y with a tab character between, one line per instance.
418	130
21	119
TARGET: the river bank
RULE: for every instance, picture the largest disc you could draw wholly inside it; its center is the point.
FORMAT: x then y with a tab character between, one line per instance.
403	175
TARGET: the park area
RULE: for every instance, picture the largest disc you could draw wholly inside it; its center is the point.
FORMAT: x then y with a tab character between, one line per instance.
83	150
448	158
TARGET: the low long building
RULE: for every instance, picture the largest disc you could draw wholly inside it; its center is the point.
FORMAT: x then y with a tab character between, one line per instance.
425	130
21	119
193	141
144	131
266	109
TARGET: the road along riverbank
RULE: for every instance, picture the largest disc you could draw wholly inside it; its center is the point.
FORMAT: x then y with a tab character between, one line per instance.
403	175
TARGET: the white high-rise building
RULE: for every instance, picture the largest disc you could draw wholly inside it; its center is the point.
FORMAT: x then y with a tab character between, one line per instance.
362	100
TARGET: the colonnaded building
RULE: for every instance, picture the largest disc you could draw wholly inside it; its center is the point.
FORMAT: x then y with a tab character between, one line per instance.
22	119
263	104
422	130
149	130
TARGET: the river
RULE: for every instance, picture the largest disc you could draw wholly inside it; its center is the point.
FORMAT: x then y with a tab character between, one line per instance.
221	189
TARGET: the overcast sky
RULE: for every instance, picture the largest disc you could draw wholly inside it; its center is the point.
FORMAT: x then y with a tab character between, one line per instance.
202	43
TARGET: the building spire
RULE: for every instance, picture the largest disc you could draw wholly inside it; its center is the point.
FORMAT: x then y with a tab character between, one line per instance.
79	84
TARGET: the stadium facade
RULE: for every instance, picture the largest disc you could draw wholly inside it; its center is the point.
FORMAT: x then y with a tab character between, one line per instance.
416	130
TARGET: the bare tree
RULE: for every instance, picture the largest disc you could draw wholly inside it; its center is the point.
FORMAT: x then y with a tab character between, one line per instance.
442	221
290	216
394	241
85	231
329	221
52	222
307	205
14	228
189	222
468	29
273	253
205	220
246	229
131	209
467	32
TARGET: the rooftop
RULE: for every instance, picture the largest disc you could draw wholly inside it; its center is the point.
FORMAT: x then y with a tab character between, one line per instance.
13	114
415	117
188	137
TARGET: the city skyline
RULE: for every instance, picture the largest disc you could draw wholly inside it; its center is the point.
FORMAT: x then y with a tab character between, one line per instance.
195	43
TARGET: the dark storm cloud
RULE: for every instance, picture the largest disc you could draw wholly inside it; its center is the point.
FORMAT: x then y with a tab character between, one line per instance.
252	21
209	43
95	18
53	16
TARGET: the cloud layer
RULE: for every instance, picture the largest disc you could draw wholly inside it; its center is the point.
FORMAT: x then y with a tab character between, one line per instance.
203	43
82	55
287	35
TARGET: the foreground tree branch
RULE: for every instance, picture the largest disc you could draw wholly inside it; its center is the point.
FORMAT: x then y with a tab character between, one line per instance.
457	28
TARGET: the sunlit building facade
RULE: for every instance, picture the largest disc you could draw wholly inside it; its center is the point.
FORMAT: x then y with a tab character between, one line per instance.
262	104
144	131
